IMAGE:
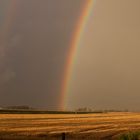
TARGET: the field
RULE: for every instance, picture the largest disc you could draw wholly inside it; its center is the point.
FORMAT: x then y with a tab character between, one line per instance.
76	126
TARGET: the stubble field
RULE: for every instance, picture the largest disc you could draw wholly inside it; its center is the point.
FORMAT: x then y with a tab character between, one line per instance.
76	126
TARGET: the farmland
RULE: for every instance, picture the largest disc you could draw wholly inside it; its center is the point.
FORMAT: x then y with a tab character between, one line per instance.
76	126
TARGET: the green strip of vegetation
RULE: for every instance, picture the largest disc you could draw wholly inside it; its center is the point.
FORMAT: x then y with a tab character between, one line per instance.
130	136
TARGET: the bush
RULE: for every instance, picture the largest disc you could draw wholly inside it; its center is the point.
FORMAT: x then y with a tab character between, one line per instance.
130	136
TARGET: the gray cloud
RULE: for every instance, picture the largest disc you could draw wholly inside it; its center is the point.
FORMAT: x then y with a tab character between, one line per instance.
35	51
36	44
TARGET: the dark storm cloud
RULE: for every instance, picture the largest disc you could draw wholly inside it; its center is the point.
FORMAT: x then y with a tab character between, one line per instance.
35	45
38	42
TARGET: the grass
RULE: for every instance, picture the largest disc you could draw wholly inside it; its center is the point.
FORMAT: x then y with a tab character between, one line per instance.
130	136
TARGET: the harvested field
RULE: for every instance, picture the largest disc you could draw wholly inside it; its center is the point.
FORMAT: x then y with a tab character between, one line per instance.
76	126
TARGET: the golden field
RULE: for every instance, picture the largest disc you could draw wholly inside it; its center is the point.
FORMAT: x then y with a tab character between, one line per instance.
76	126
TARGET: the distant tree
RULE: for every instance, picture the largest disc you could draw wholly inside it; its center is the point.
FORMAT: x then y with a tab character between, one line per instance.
85	109
24	107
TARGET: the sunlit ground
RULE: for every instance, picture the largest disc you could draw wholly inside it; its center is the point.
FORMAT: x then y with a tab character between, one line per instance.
76	126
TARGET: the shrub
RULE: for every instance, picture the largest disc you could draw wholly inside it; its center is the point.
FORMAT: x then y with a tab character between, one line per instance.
130	136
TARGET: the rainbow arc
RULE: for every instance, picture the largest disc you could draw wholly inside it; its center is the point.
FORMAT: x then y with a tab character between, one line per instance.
74	47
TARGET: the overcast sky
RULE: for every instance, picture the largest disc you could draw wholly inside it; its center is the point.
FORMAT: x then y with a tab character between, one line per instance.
34	48
35	37
107	74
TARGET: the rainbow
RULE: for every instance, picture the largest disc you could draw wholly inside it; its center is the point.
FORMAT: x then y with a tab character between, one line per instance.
74	46
8	21
10	14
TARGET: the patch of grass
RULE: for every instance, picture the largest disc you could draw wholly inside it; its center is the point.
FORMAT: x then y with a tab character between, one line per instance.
130	136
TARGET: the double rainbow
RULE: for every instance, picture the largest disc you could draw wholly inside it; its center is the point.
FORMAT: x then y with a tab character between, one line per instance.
74	46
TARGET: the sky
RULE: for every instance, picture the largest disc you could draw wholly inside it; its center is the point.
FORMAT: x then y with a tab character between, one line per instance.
35	41
35	37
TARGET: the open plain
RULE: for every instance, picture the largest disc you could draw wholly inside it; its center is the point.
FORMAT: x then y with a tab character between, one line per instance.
76	126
